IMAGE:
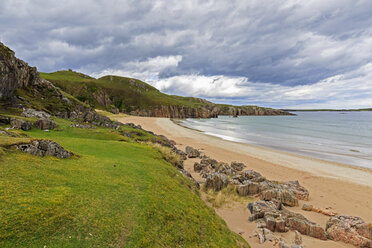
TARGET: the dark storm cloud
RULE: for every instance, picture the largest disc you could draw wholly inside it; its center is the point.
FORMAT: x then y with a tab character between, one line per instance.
278	43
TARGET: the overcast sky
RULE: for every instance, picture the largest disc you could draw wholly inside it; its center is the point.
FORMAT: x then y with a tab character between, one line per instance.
283	54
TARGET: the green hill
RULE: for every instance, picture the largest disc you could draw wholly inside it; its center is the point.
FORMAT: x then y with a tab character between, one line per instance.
128	95
124	93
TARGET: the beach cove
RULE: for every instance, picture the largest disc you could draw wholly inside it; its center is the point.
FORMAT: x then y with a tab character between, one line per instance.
343	188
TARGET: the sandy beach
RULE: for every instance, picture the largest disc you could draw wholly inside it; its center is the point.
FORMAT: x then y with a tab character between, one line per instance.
344	189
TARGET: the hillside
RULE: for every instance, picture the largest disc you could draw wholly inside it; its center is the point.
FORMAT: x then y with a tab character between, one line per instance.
116	192
132	96
71	177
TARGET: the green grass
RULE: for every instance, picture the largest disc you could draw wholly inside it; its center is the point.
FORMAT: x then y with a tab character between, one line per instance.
115	193
124	93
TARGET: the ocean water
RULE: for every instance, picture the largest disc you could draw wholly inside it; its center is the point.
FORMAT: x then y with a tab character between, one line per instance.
344	137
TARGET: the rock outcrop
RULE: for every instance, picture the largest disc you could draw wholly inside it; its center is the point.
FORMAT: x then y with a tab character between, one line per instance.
216	181
44	148
192	152
45	124
351	230
20	124
14	73
278	219
38	93
208	111
34	113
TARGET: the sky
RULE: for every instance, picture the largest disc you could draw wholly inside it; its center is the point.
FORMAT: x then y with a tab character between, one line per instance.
272	53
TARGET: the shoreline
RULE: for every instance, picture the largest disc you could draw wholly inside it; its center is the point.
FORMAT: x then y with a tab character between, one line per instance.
341	188
289	153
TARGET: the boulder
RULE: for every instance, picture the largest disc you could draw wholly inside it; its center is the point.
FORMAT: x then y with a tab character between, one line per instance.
209	161
250	175
284	196
198	167
249	188
45	124
225	169
237	166
192	152
34	113
350	230
300	223
181	153
216	181
44	148
20	124
307	207
295	187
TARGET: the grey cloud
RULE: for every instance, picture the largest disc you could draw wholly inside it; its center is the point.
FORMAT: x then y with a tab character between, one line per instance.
285	43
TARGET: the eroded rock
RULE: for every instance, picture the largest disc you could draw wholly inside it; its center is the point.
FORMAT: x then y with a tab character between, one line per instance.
216	181
45	124
281	220
237	166
20	124
35	113
285	196
192	152
350	230
44	148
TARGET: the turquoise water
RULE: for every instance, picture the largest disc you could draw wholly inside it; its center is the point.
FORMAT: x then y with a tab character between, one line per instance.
344	137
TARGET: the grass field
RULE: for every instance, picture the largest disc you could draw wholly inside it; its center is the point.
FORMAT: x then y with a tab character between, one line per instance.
114	193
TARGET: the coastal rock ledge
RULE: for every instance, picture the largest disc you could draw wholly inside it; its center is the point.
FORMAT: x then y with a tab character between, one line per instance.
210	111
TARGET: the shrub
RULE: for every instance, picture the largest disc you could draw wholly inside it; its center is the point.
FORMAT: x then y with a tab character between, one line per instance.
170	156
226	196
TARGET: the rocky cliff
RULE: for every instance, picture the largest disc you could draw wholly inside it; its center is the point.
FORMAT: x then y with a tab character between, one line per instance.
22	88
14	73
211	111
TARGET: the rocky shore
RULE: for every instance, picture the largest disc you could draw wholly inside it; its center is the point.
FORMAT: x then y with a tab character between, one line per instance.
296	204
272	202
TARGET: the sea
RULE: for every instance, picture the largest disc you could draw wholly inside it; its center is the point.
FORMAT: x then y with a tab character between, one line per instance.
343	137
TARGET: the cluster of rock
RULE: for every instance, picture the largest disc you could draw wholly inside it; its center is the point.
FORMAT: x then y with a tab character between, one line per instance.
85	115
249	182
43	148
20	124
274	217
351	230
43	122
269	211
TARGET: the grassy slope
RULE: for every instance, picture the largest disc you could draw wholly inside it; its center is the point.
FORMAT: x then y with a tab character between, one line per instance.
114	194
124	92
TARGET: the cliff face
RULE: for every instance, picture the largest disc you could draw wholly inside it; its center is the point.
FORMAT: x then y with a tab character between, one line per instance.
14	73
212	111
